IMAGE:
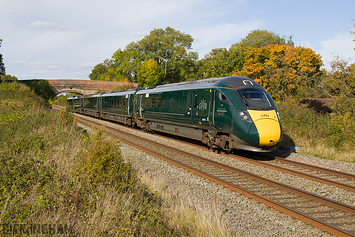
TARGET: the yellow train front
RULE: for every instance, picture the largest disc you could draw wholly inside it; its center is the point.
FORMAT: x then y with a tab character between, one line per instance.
255	123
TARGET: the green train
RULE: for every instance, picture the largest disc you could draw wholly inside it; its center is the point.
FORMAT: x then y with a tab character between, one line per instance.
229	113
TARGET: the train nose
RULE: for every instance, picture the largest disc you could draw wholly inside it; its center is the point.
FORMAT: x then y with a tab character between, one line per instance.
268	132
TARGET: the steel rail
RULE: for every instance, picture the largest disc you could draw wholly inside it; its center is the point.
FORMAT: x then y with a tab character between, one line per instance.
289	211
298	173
317	168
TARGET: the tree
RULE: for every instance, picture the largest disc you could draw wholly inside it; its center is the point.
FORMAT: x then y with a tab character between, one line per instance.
217	63
262	38
169	48
150	74
222	62
282	69
106	72
2	66
340	80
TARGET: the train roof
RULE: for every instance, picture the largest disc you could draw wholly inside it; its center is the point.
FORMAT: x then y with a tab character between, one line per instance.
120	93
232	82
73	97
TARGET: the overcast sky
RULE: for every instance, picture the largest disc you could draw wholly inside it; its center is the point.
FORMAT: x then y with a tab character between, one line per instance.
65	39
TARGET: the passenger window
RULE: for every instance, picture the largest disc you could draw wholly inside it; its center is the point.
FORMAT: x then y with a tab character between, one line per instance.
147	100
153	102
159	102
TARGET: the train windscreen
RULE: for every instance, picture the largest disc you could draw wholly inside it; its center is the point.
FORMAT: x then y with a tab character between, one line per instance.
255	99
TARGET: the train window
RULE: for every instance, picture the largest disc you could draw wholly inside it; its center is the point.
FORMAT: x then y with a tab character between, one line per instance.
124	102
221	96
254	98
147	102
153	102
159	102
166	103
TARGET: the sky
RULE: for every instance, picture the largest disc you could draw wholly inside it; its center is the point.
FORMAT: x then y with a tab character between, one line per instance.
65	39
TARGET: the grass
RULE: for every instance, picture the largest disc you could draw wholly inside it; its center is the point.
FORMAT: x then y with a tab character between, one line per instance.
53	172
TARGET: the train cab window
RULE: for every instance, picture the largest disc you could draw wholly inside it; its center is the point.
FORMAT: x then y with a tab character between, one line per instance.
221	96
159	102
254	98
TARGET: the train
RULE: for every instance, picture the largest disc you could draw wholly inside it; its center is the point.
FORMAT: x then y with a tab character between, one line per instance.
226	113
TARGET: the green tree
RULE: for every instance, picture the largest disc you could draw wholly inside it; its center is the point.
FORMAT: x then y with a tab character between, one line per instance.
262	38
2	66
106	71
150	74
169	48
339	80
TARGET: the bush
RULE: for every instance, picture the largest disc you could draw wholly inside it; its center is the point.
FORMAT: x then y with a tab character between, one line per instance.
307	127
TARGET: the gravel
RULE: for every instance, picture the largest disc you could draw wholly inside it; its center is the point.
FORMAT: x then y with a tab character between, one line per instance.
242	216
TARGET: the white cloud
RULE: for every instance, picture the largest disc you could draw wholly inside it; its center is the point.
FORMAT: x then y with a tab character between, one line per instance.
341	44
48	26
221	36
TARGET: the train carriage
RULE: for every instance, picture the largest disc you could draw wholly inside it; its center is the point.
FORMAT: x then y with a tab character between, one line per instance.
74	103
229	113
118	106
91	105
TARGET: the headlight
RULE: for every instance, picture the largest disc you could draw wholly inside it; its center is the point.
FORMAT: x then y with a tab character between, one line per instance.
245	116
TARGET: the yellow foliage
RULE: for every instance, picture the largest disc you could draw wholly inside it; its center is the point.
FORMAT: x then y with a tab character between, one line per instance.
282	69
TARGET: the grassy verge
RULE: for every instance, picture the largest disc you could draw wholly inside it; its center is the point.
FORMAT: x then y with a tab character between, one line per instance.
325	135
55	178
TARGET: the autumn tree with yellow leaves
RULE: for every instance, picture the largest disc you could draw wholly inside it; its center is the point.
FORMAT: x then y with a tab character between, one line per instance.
282	69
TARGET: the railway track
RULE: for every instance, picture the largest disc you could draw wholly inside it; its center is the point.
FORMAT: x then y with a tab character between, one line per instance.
335	217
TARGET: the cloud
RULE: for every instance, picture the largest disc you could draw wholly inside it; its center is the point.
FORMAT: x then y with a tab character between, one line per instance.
48	26
341	45
221	36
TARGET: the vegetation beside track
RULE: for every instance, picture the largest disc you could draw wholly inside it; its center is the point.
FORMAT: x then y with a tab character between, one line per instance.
53	173
321	134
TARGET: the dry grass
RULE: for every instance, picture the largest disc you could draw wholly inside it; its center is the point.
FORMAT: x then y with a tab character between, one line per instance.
46	177
193	218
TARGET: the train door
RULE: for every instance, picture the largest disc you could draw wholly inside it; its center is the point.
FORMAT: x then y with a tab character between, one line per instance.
140	105
200	101
211	108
